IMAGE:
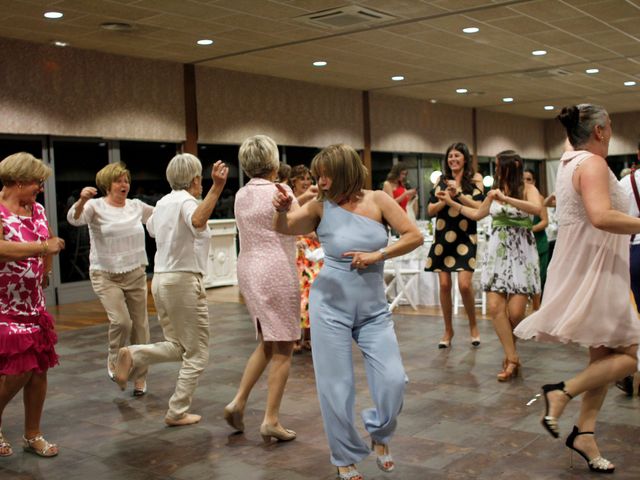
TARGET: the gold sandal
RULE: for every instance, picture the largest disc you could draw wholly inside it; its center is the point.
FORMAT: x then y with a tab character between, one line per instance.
4	445
45	450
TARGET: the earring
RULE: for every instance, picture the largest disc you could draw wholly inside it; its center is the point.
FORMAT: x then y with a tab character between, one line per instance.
19	185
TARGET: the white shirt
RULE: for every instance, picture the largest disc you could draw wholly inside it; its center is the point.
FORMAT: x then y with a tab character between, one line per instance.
625	183
116	233
181	247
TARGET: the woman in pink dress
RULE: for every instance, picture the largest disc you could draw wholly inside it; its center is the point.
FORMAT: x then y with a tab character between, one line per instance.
586	298
268	280
27	335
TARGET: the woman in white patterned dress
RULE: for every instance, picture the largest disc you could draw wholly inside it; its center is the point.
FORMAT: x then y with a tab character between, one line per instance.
510	272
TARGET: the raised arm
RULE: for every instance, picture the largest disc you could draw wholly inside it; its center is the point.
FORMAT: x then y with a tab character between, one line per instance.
202	213
77	209
291	219
591	181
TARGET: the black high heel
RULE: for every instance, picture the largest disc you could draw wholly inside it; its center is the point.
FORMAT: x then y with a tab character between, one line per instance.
597	464
548	422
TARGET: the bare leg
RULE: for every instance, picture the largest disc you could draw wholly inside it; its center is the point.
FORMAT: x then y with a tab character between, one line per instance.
256	364
497	303
35	392
9	388
605	366
516	308
278	375
535	301
446	304
465	286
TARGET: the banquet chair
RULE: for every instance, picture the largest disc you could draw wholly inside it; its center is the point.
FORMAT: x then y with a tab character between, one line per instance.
481	296
403	280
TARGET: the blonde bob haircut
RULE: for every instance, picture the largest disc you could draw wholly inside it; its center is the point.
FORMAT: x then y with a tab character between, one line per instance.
23	167
182	169
342	164
259	156
109	174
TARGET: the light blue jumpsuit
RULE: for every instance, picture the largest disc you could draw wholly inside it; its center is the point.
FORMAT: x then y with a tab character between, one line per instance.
346	304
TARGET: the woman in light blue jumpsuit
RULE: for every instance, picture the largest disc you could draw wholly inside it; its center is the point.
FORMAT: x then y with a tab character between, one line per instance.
348	303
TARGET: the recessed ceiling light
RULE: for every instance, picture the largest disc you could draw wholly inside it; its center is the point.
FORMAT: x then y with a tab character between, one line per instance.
397	78
461	90
320	63
205	41
58	43
591	70
549	107
53	15
471	30
507	99
539	53
630	83
433	100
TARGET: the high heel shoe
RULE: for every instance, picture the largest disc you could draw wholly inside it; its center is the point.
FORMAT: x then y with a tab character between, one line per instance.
510	370
140	388
352	474
444	343
385	462
475	341
234	418
548	422
597	464
279	433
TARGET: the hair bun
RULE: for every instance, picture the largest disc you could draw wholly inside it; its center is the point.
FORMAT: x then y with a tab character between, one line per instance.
569	117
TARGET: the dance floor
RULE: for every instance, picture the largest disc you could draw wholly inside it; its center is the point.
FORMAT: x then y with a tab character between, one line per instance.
458	422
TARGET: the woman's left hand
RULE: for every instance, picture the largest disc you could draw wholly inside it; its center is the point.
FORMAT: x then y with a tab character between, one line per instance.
362	260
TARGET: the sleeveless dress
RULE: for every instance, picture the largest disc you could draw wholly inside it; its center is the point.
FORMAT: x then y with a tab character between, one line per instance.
399	190
455	240
348	305
267	272
511	265
27	336
586	298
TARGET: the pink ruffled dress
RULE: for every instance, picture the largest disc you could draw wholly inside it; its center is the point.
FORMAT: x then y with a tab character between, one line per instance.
586	297
27	336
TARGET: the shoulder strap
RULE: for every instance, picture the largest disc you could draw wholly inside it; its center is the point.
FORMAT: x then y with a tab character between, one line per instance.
634	187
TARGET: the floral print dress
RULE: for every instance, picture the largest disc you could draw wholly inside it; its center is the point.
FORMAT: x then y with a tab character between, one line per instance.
307	272
511	265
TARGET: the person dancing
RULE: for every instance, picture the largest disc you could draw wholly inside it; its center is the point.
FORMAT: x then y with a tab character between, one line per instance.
511	270
179	225
117	259
455	242
273	303
27	335
588	272
348	303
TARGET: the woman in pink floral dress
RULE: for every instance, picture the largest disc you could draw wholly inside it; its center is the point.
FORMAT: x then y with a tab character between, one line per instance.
268	281
27	335
308	247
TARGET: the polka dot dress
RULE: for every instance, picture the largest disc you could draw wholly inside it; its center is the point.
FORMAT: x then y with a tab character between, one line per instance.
454	246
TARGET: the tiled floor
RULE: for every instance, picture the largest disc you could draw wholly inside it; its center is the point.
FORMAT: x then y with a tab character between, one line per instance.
458	422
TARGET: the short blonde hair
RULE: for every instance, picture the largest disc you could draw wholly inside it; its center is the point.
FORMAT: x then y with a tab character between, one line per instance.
23	167
342	164
109	174
182	169
259	156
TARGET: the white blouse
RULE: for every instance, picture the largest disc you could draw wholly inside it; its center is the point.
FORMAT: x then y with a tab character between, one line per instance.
181	247
116	234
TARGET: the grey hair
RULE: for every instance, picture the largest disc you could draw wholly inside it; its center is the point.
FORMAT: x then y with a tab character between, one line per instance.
259	156
182	169
580	120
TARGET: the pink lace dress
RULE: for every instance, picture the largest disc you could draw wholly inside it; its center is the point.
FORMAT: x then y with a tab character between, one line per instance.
27	336
586	297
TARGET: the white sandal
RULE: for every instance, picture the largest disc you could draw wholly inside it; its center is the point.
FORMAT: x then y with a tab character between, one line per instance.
29	445
4	445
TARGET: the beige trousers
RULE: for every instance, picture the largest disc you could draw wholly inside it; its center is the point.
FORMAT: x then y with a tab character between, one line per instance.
181	302
124	298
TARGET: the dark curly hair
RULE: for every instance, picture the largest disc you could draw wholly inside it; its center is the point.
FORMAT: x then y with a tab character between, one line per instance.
467	184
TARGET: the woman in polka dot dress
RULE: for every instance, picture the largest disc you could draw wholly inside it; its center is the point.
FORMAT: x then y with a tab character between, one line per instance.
454	246
511	272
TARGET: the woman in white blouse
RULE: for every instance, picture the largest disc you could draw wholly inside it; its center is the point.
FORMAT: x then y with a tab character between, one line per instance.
179	225
117	259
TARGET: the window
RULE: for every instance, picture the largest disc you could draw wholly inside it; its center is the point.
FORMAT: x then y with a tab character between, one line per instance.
208	155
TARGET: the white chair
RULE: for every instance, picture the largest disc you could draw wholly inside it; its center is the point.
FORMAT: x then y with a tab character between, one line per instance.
481	296
403	280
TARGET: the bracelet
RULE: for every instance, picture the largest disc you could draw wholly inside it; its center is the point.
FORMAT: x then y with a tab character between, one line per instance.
384	254
45	248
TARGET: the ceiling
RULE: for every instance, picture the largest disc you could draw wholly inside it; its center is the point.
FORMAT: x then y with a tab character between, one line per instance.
421	40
